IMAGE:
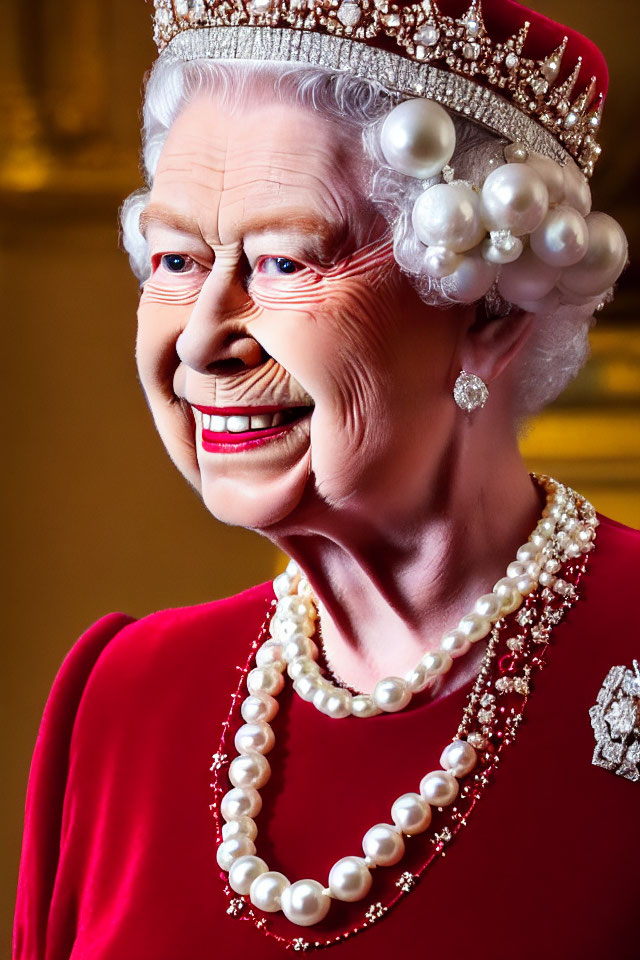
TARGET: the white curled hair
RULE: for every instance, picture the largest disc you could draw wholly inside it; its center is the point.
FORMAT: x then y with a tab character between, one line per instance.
559	343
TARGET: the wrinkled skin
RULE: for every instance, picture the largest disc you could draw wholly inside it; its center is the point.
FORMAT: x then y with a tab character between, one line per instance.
383	483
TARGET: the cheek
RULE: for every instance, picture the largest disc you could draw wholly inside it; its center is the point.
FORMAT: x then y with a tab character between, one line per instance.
363	330
159	326
344	348
162	315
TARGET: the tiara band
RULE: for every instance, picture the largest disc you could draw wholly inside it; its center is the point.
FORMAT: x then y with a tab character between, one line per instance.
450	60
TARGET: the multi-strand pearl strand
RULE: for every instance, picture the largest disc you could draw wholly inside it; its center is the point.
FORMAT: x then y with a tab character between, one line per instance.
307	902
293	625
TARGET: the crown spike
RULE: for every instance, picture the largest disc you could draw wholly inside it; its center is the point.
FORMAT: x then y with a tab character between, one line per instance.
472	21
518	40
583	100
562	94
550	67
594	116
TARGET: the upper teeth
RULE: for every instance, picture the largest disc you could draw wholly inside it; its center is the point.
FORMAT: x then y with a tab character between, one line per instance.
237	423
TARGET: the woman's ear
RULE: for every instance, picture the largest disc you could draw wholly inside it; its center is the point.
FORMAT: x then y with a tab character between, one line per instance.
491	343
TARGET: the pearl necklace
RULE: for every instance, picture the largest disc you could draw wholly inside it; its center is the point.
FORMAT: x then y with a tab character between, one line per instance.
307	902
294	623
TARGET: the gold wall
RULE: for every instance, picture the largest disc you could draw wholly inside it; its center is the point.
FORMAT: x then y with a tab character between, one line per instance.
96	517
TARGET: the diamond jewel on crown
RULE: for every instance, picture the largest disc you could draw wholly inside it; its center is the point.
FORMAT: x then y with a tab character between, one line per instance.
423	34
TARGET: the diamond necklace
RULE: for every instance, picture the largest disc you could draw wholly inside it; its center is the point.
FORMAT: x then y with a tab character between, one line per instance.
509	663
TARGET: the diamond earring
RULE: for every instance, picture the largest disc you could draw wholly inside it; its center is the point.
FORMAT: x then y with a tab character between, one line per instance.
470	392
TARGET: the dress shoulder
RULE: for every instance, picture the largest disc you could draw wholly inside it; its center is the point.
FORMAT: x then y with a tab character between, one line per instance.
46	788
164	643
122	680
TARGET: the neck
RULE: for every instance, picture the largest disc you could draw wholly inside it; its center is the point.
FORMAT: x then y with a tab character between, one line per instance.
388	588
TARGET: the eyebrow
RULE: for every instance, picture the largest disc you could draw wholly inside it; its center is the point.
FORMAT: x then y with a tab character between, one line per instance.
158	213
323	238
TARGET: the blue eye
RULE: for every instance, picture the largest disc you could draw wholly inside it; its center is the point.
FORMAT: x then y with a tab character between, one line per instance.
279	266
174	262
285	266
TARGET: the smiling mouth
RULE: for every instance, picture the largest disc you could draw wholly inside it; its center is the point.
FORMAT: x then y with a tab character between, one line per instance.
232	429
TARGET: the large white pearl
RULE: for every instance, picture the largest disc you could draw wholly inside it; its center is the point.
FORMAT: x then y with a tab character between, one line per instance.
489	606
265	680
440	262
528	552
576	189
508	594
244	871
514	197
299	645
363	705
244	826
282	585
305	902
266	891
295	608
249	770
321	695
552	174
307	686
527	278
383	844
350	879
304	589
338	704
391	694
301	666
332	701
602	263
526	585
437	662
448	215
270	655
294	571
471	280
282	630
254	737
459	758
418	138
417	679
259	707
240	802
411	814
439	788
562	238
230	850
474	627
456	644
516	569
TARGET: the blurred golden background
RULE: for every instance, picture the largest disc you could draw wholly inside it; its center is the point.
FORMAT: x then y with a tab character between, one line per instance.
96	516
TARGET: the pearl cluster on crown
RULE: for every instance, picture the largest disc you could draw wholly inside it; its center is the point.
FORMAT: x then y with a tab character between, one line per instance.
424	35
564	535
528	228
557	537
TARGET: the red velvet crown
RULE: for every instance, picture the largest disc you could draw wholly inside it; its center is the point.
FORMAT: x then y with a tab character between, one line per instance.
481	60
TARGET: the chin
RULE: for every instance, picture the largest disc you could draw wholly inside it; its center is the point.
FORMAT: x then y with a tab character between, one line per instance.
257	503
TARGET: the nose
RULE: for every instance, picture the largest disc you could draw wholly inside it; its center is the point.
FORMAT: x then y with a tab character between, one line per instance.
216	335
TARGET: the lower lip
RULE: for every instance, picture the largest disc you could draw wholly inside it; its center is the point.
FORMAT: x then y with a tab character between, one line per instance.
249	440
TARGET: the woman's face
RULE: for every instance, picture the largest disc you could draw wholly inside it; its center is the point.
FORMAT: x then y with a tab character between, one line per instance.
289	366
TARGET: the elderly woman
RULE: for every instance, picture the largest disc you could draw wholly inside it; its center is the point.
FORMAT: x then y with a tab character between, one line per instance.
366	254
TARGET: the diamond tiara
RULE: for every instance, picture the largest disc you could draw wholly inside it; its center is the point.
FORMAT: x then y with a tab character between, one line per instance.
492	81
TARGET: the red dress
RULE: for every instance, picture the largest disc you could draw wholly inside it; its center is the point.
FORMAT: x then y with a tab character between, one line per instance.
118	859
